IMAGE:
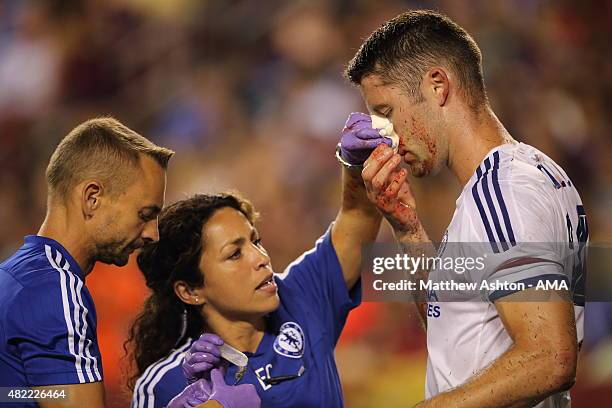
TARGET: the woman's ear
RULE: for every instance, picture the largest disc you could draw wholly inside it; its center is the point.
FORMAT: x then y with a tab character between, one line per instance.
189	295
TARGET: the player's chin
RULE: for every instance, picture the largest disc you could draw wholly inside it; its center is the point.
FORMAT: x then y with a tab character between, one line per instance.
268	304
422	168
122	258
121	261
417	169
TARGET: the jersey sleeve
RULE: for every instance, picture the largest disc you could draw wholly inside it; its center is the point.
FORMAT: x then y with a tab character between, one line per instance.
161	381
518	221
317	276
52	327
157	396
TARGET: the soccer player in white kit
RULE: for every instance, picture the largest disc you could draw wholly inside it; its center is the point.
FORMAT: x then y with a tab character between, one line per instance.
423	72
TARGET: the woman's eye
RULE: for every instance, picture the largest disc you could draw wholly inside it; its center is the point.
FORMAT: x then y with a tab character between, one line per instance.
235	254
145	217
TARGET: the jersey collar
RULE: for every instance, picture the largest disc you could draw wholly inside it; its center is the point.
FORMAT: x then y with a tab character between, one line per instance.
40	241
481	166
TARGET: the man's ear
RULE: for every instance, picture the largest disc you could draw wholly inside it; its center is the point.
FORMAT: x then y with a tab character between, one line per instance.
437	81
92	192
189	295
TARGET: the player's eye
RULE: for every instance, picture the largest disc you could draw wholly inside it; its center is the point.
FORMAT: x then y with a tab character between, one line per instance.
146	216
255	238
235	255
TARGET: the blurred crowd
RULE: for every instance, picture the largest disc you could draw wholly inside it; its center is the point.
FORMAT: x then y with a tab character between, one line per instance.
250	95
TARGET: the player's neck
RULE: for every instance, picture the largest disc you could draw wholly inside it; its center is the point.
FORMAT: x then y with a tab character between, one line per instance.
56	227
242	335
471	142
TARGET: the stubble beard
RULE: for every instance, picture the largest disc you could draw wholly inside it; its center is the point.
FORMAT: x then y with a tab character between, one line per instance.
113	253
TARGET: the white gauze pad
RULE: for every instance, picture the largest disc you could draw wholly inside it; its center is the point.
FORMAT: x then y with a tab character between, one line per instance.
385	130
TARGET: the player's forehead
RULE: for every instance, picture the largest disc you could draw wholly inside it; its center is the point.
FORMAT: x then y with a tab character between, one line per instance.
226	227
149	185
377	93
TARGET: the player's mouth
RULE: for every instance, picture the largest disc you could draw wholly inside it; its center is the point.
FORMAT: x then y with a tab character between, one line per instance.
267	285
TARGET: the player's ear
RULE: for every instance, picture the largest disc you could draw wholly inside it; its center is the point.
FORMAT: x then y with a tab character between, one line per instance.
92	191
437	82
189	295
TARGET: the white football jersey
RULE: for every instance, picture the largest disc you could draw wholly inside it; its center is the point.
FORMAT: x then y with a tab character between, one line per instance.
520	204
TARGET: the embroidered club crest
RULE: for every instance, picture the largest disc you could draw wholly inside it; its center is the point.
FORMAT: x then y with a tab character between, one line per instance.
290	340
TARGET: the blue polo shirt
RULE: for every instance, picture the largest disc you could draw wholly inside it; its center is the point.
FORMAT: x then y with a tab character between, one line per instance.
47	319
301	337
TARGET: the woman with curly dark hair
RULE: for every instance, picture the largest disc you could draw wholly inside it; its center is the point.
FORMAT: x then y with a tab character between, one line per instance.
209	273
170	267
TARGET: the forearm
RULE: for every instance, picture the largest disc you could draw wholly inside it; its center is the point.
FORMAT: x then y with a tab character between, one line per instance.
416	243
77	395
387	187
354	195
519	378
357	224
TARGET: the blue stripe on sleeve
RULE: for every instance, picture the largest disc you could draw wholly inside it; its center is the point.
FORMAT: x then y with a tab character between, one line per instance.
500	199
69	311
492	210
550	176
483	215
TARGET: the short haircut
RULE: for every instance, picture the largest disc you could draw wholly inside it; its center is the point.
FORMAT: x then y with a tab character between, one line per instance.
405	47
101	148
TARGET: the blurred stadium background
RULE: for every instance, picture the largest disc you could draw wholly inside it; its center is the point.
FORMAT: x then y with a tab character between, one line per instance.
250	95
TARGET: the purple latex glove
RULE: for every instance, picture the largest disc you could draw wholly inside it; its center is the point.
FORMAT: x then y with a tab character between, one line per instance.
192	396
237	396
359	139
202	356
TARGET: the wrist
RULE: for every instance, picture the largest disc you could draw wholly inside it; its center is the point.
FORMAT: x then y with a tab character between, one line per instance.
410	232
189	376
346	164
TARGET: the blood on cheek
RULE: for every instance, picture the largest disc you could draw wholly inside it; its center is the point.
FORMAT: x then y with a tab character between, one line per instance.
418	132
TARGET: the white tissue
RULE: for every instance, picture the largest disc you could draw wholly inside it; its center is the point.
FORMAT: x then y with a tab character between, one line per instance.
385	130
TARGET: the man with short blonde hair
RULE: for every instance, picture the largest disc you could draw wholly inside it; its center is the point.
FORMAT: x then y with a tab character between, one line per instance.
100	147
106	187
